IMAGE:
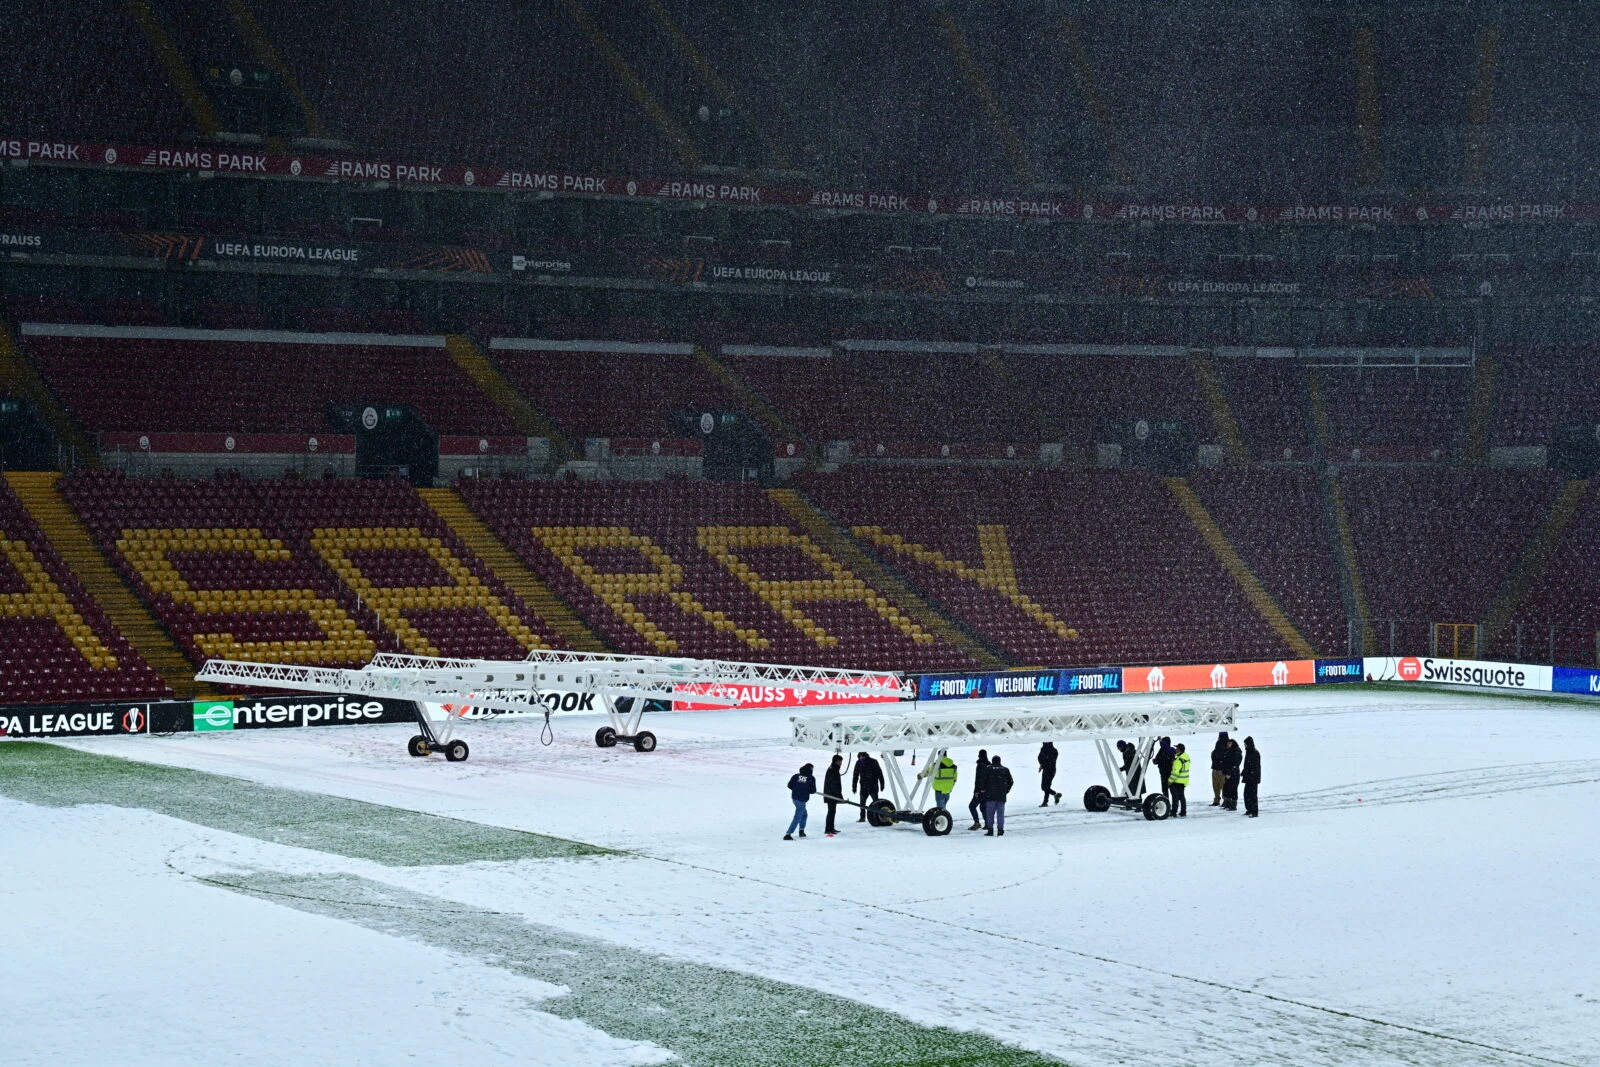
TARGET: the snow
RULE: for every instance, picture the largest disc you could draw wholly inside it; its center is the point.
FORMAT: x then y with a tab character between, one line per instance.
1444	917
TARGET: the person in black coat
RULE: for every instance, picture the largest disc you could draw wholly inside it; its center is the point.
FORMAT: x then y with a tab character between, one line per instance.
1163	761
1232	759
833	792
1129	752
1252	778
801	786
979	776
1047	772
995	790
867	781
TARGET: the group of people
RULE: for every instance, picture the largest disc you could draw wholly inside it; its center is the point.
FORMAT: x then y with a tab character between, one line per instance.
1230	765
992	782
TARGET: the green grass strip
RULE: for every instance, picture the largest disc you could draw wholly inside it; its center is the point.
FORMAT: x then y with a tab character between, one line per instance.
710	1016
50	775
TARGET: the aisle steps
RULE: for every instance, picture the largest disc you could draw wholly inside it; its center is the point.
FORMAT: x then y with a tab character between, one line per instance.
826	533
40	493
1235	565
475	533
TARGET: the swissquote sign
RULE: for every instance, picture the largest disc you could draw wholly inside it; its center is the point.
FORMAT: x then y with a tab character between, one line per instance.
1481	674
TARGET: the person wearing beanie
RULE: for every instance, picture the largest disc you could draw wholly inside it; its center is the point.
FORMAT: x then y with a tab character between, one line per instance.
980	777
995	791
1163	761
1219	776
1129	753
801	786
1047	772
833	792
1252	778
867	780
1231	761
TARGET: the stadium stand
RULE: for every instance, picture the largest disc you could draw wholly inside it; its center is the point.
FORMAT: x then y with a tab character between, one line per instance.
1433	544
58	83
703	569
1396	414
1539	388
1276	518
533	93
1268	399
295	571
1558	619
1078	393
596	388
245	382
1079	567
56	645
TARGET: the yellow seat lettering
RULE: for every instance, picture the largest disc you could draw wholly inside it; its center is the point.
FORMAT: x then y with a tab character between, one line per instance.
45	600
148	550
618	590
998	572
784	595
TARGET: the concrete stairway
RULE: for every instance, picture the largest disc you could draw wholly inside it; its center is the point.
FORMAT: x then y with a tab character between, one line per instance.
41	495
1221	412
1235	565
477	536
507	398
1347	561
825	532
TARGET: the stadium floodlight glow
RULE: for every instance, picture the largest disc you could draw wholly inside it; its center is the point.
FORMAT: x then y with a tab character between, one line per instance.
447	691
982	723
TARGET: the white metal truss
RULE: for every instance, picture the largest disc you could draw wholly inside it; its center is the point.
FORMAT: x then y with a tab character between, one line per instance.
995	723
985	723
449	689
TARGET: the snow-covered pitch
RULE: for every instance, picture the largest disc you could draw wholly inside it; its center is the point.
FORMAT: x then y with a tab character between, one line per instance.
1419	889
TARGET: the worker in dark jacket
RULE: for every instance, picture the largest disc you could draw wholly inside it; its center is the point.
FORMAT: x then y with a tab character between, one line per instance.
1163	761
1252	778
980	776
1130	752
1219	775
995	790
867	781
833	792
1047	772
801	786
1232	759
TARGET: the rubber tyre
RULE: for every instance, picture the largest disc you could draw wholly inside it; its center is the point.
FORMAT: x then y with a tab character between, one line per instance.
1097	798
1156	807
456	751
880	813
605	737
938	822
418	746
644	741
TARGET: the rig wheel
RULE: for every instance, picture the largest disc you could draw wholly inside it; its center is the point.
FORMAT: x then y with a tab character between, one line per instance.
605	737
1156	807
1097	798
418	746
880	813
937	823
644	741
456	751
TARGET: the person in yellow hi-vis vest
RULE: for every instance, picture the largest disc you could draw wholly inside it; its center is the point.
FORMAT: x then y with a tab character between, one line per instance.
943	773
1179	781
